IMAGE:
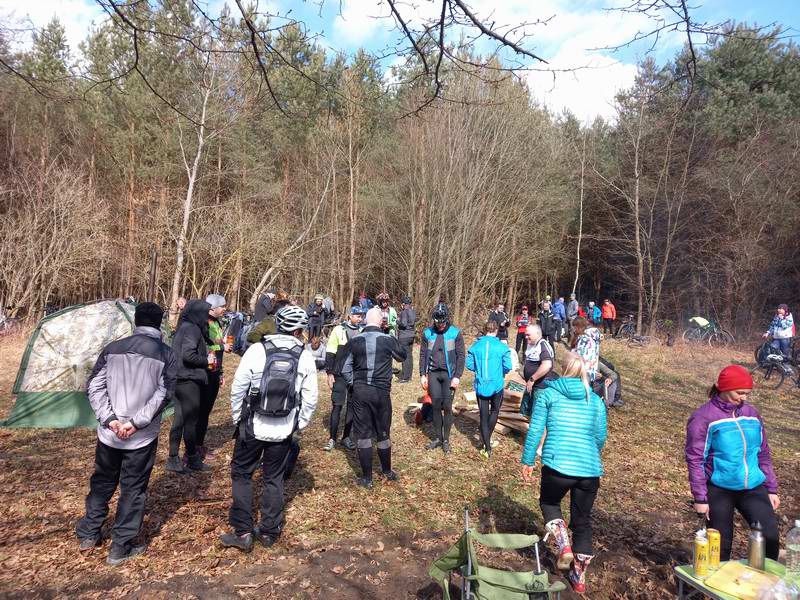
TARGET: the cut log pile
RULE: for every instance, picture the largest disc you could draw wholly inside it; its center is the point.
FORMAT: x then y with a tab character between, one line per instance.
510	418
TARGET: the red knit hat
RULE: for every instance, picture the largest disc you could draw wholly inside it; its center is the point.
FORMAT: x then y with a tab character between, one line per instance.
734	377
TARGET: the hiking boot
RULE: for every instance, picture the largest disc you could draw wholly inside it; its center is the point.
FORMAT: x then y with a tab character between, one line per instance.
240	542
175	465
266	539
119	554
390	475
348	443
89	544
195	463
364	482
446	446
577	574
206	453
558	529
329	446
434	444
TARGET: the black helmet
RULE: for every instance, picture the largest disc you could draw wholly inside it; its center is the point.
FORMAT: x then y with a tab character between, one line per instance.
407	300
440	313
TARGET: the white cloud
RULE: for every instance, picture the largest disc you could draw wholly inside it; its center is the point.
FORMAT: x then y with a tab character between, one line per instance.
75	15
361	20
586	92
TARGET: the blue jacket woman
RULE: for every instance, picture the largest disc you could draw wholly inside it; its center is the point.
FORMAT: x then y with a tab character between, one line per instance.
575	419
490	360
730	463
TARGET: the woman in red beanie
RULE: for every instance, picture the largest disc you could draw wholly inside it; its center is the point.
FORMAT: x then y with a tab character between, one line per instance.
729	461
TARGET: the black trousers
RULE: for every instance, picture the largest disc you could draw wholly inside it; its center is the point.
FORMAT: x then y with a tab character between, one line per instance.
208	396
314	331
753	505
130	469
247	456
608	326
582	492
521	342
441	403
188	396
489	407
372	418
408	364
342	399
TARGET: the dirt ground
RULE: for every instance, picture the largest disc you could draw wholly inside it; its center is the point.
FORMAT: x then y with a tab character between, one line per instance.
344	542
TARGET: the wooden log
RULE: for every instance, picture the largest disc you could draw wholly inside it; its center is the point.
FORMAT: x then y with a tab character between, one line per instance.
475	416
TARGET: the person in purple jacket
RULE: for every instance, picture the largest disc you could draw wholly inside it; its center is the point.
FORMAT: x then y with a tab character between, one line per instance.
730	466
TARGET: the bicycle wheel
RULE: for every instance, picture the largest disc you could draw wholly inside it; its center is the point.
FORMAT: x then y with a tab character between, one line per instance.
691	335
720	339
773	376
627	331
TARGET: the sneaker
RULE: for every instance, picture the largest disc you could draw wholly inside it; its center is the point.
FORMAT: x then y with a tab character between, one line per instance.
434	444
403	381
446	446
240	542
329	446
266	539
390	475
495	443
348	443
120	554
175	465
364	482
486	454
195	463
89	544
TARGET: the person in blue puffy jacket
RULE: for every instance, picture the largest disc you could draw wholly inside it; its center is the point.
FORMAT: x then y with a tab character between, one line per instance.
575	420
490	360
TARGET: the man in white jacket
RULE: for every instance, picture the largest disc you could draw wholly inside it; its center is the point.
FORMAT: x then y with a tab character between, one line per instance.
266	440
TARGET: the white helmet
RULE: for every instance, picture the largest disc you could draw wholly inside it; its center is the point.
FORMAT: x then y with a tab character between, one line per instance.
291	318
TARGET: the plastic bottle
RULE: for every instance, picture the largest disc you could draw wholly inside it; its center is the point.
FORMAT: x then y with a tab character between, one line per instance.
793	554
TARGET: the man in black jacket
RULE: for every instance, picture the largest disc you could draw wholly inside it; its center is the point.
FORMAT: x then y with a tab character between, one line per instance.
499	316
547	321
131	383
368	368
406	323
191	350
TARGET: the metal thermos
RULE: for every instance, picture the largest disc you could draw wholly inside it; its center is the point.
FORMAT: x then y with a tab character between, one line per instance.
757	549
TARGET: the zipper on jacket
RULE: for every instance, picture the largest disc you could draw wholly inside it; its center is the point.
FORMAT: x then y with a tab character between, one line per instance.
744	441
486	358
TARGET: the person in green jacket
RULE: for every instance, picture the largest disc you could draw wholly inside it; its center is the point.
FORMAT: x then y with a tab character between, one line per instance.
575	420
389	323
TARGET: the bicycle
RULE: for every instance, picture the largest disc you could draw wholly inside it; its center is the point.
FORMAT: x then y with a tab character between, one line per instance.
775	367
710	333
640	341
627	329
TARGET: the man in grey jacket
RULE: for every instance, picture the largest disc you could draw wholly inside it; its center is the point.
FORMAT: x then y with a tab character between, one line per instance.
406	334
131	383
572	312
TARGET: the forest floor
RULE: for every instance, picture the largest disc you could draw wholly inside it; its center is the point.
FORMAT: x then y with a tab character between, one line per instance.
344	542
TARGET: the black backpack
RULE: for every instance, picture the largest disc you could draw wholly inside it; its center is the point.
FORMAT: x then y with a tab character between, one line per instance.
277	397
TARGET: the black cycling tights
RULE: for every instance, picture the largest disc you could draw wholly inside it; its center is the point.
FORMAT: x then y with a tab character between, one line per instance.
442	403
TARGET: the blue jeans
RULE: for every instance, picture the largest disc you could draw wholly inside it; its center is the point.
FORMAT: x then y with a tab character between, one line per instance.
782	345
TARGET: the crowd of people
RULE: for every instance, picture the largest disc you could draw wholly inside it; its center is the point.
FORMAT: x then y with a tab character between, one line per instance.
274	395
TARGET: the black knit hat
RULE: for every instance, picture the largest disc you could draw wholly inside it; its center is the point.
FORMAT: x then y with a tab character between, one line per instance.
148	314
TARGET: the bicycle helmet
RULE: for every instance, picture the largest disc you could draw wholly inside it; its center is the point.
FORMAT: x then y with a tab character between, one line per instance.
357	310
291	318
440	314
382	296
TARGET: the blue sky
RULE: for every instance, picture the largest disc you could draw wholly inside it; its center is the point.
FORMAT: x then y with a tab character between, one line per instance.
574	28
